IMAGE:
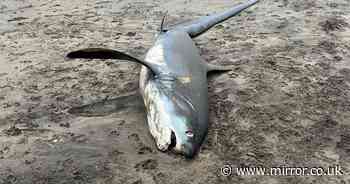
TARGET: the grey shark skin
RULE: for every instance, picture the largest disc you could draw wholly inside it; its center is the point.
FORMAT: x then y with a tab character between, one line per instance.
173	83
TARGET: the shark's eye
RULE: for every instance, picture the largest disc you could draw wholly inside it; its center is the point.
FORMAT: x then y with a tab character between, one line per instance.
189	133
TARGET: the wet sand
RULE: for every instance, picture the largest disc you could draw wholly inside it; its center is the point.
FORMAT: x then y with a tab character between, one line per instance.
286	103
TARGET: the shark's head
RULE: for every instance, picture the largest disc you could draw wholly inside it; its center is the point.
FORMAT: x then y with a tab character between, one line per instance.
172	120
184	134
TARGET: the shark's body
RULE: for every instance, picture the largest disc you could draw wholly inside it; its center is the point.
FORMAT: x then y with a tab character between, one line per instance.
173	83
182	80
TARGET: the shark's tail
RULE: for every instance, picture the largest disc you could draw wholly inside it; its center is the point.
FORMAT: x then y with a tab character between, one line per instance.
205	23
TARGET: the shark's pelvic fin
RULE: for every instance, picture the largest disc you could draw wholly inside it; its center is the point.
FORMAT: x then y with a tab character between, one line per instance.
162	29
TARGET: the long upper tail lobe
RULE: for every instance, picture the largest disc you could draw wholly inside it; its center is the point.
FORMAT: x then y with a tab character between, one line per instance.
205	23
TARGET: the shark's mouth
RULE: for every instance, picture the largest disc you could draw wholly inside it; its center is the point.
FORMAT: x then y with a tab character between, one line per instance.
172	141
165	140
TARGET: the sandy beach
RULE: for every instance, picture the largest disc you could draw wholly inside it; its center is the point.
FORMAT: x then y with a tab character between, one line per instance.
286	103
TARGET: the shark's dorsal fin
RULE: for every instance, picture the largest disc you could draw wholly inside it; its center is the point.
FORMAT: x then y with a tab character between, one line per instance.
217	68
101	53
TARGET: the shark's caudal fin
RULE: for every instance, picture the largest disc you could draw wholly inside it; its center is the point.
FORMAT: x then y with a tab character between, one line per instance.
205	23
101	53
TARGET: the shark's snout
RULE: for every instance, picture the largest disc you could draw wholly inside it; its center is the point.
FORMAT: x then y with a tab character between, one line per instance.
186	147
189	150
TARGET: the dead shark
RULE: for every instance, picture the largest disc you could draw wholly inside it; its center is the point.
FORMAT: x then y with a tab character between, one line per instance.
173	83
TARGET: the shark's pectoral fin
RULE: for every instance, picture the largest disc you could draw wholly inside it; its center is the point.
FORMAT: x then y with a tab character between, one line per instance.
109	106
217	68
101	53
